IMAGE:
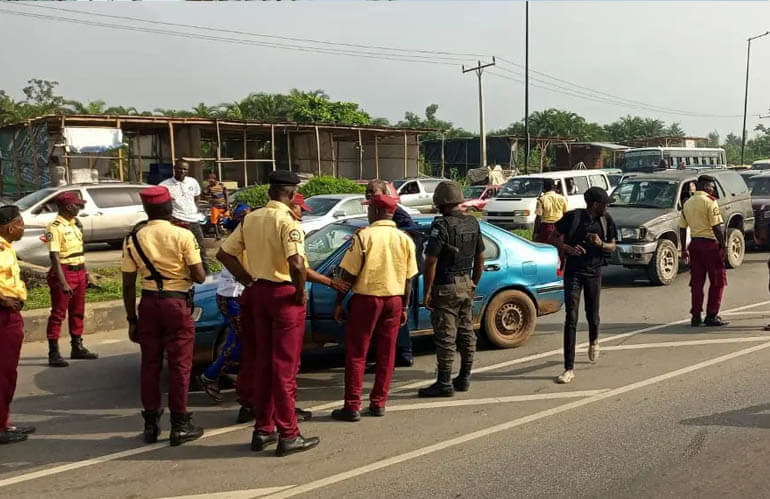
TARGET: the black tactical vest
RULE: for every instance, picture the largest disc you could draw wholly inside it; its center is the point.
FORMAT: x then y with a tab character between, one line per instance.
458	254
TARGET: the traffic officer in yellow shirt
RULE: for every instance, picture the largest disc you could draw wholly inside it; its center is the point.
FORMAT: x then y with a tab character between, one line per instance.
273	312
380	264
13	293
167	258
706	253
67	279
551	207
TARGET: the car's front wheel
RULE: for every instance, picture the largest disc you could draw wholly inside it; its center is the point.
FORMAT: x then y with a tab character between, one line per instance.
736	248
510	319
664	266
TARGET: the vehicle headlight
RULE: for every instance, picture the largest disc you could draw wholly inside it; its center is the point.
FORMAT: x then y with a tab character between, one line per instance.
627	233
197	312
521	213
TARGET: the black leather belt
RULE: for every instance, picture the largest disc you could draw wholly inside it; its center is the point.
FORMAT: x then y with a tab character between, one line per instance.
450	277
181	295
75	268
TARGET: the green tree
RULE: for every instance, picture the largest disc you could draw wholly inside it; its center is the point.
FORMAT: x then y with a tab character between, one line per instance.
630	128
413	120
713	139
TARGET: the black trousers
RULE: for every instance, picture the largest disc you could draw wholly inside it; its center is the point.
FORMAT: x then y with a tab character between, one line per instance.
197	231
574	284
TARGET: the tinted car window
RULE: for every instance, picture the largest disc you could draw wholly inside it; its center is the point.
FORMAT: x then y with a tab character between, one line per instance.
760	186
732	183
429	185
491	250
50	206
411	188
114	197
353	207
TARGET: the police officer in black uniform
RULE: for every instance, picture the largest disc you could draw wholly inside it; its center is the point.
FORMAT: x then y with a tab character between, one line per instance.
454	262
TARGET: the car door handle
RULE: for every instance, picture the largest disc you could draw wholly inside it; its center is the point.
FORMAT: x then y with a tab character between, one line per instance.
83	215
492	267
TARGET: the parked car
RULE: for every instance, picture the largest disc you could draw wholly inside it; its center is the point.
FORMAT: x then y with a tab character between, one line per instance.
514	206
417	193
31	248
328	208
521	282
111	211
477	197
389	187
759	185
647	209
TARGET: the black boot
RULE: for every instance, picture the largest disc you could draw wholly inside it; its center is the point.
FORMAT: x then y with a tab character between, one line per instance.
182	429
463	380
79	351
54	357
10	437
441	388
244	415
260	440
288	446
151	425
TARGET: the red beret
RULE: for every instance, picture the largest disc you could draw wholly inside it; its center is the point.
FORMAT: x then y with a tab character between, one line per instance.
299	200
69	197
155	195
383	201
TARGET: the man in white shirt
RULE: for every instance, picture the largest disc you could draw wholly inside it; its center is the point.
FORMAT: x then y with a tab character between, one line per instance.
185	192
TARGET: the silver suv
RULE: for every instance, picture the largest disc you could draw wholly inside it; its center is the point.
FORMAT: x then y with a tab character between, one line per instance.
111	210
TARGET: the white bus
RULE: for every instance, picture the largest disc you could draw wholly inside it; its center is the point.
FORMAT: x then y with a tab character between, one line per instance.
647	159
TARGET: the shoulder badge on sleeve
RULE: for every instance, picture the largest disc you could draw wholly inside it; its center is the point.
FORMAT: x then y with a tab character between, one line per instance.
295	236
56	222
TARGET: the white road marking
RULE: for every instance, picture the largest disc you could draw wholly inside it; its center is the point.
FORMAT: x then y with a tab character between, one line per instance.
384	463
236	494
493	400
543	355
229	429
109	342
688	343
757	312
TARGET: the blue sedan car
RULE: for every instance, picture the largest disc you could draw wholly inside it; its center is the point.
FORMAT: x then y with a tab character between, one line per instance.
521	281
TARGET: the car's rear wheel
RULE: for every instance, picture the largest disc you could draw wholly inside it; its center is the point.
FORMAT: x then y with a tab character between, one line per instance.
510	319
736	248
664	267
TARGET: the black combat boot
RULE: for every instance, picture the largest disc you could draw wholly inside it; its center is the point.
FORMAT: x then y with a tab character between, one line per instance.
441	388
463	380
151	425
182	428
79	351
54	357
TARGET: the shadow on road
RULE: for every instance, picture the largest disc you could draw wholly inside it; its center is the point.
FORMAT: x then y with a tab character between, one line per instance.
755	416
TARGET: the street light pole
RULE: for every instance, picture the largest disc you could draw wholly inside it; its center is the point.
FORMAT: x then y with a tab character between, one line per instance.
746	92
526	84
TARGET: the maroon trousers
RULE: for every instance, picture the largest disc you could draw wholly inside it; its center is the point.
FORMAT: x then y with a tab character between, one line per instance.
276	325
11	338
165	324
369	315
706	260
545	231
63	305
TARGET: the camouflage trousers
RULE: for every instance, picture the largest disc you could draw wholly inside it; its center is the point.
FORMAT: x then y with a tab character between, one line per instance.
452	318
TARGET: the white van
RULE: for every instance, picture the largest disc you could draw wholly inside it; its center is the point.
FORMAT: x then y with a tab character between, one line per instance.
514	206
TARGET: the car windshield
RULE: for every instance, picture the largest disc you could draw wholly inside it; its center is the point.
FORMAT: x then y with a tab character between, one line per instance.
321	244
615	178
398	183
522	187
31	199
639	193
760	186
321	205
473	191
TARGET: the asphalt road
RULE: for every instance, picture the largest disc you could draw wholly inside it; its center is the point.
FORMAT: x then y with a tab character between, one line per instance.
667	411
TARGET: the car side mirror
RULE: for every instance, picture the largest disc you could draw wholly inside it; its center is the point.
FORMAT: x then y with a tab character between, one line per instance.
339	213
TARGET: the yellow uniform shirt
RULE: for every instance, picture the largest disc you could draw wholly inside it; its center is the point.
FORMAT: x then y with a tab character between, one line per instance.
11	285
383	258
701	213
551	207
66	238
171	250
269	236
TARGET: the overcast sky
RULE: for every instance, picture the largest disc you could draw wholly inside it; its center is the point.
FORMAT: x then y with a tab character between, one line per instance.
687	56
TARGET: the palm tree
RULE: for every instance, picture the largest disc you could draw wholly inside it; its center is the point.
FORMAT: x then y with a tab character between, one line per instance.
92	107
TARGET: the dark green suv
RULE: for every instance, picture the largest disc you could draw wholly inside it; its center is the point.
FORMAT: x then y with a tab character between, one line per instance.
647	209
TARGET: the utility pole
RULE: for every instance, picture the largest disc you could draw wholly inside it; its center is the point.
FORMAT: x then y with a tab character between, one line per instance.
746	92
526	84
479	70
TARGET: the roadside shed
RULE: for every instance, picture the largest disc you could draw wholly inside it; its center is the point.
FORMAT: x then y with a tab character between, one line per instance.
592	154
41	151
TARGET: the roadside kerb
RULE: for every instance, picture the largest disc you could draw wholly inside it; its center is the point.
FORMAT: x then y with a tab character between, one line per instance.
99	317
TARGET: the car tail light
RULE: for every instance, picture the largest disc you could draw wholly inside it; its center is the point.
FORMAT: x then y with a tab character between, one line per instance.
560	271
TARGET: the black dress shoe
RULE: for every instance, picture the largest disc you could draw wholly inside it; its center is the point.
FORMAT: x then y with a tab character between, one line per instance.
21	429
9	437
302	414
260	440
288	446
346	414
715	321
244	415
696	321
377	412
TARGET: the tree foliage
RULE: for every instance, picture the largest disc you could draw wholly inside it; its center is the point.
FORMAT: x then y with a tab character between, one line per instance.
413	120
